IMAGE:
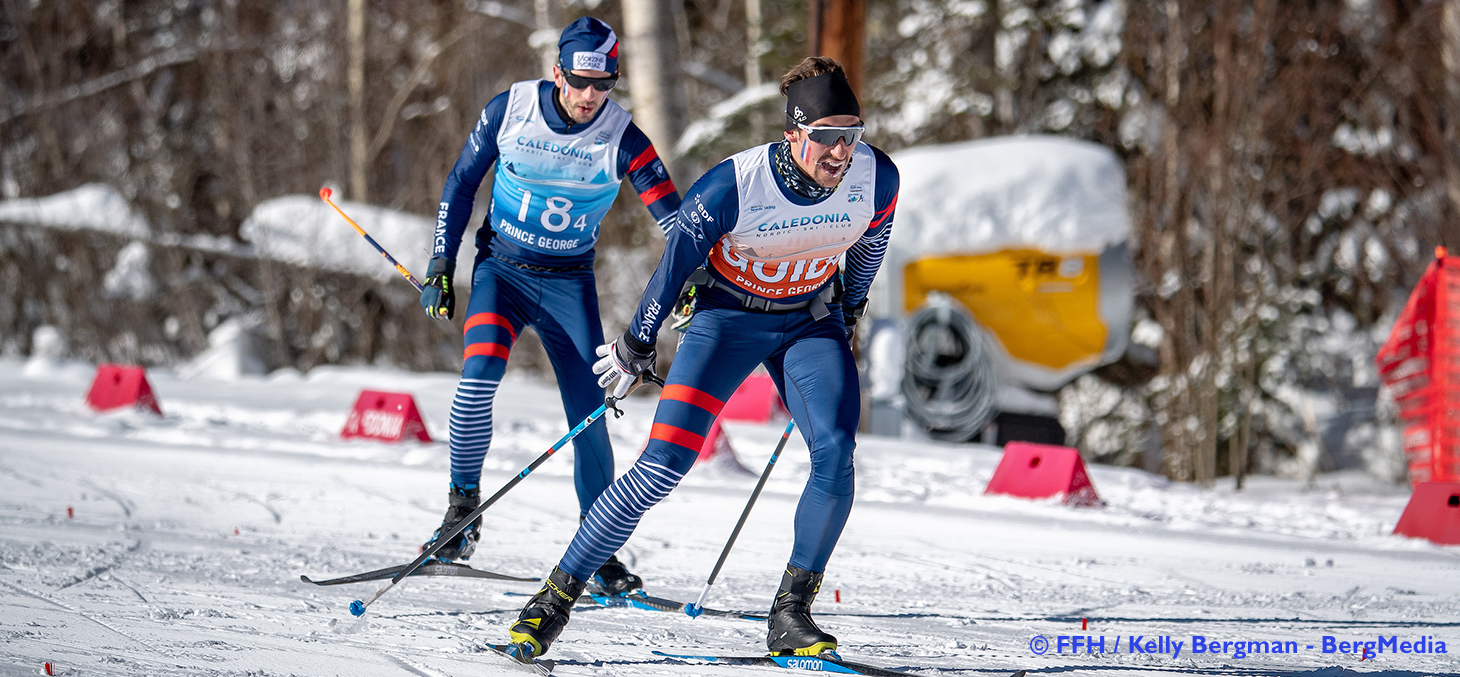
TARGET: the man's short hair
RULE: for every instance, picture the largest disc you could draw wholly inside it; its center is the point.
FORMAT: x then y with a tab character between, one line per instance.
810	67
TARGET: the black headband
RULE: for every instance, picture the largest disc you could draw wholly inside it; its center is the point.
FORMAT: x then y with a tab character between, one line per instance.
822	96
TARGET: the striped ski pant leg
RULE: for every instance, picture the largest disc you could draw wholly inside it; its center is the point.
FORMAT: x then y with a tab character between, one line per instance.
616	514
488	341
471	427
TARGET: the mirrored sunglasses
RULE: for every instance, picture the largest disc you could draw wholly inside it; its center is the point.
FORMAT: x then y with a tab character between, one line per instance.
580	82
828	136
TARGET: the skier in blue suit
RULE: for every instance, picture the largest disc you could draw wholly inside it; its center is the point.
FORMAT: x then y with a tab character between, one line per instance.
764	236
559	148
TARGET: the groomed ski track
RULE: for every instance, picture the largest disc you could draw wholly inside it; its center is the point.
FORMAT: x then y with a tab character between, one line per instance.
150	578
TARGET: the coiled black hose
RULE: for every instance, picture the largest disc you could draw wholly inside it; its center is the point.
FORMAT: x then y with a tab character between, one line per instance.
948	379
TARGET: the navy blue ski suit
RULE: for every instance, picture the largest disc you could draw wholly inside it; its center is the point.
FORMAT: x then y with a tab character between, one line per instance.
809	359
515	284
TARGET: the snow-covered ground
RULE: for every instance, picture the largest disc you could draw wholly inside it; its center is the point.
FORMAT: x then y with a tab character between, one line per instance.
190	532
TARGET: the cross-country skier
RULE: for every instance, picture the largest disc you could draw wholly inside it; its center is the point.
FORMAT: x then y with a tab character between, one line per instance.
776	222
560	148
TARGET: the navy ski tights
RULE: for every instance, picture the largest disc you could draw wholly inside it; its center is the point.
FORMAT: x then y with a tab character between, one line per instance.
563	308
812	366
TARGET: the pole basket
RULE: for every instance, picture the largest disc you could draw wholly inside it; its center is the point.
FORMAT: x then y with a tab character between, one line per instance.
1420	364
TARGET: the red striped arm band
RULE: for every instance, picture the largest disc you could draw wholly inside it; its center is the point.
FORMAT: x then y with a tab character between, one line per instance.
881	217
653	194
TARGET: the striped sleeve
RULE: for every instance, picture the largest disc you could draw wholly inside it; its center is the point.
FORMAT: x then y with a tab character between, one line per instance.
640	163
865	257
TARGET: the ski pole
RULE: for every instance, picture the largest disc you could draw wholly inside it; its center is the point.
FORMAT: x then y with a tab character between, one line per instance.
357	607
324	194
694	610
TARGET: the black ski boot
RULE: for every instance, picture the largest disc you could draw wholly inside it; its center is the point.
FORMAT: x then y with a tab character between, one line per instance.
614	579
545	616
463	500
792	632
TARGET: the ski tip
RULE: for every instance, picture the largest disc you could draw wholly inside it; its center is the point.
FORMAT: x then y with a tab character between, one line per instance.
325	193
304	578
693	611
357	608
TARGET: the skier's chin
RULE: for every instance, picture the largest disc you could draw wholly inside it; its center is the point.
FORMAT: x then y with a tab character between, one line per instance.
828	175
583	114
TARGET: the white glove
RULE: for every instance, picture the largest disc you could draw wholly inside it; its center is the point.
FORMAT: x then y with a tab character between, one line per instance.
624	360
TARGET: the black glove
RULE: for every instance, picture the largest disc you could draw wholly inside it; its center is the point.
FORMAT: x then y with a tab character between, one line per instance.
624	360
437	295
850	315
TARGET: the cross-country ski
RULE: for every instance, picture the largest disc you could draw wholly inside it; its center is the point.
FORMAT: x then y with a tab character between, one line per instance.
821	663
639	600
434	569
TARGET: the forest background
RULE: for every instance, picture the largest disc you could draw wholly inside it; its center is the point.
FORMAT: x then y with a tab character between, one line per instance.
1291	167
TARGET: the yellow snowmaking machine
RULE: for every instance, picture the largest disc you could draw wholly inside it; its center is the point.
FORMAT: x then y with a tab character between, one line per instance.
1008	275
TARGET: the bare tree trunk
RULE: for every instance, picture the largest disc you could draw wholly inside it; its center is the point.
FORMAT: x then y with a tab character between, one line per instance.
46	128
1006	74
1216	274
547	38
753	30
986	69
1176	255
355	80
838	29
652	55
1243	436
752	43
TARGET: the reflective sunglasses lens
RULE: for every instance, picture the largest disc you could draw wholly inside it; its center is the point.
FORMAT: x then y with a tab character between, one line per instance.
829	136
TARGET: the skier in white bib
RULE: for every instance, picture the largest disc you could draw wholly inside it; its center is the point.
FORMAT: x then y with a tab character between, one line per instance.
559	148
765	236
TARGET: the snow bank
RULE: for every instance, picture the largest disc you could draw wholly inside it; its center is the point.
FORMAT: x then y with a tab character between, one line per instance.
94	206
232	353
298	229
47	351
130	277
303	230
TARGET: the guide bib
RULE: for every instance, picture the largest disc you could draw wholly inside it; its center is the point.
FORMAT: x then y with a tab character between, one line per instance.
552	190
779	249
